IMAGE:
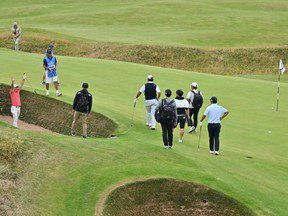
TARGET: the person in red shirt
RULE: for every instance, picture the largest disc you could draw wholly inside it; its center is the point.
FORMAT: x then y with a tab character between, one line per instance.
15	99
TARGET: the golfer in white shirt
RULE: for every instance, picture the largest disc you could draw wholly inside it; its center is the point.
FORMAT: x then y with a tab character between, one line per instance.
152	94
215	114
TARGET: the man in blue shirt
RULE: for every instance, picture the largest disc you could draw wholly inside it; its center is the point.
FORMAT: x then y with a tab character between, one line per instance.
51	47
215	114
50	64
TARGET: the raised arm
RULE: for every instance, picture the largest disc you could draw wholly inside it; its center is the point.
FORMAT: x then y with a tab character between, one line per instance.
12	83
23	80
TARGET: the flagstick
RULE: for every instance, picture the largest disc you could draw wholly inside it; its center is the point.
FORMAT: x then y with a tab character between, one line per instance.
278	93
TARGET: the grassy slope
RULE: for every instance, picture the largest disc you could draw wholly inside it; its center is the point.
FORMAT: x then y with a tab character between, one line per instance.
70	174
206	23
216	61
36	109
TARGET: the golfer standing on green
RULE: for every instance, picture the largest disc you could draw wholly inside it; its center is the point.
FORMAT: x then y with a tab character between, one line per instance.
215	114
152	94
195	99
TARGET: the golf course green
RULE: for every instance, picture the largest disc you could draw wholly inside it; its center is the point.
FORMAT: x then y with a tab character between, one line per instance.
69	174
206	23
44	173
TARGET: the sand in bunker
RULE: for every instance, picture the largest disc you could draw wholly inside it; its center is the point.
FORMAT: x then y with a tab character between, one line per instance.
23	125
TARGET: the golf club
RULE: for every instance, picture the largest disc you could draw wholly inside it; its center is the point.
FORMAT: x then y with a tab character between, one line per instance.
199	137
29	85
134	107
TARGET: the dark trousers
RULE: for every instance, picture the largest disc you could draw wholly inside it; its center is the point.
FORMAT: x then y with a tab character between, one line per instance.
167	131
194	112
214	131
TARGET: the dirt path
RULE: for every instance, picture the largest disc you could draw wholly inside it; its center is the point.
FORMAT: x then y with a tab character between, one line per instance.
23	125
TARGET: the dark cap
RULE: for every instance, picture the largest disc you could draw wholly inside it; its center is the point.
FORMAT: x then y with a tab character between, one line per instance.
179	92
49	51
168	92
51	46
85	85
213	99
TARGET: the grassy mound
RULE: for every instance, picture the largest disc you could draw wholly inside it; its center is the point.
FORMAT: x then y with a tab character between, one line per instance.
171	197
54	115
217	61
14	152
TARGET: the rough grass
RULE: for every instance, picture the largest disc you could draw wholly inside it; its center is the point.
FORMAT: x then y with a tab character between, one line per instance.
54	115
217	61
14	151
171	197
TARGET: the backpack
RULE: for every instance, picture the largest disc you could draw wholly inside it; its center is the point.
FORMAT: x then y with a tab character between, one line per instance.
83	102
168	111
198	100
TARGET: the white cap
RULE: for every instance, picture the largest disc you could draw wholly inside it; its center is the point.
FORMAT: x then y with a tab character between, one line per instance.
194	84
150	77
15	23
16	85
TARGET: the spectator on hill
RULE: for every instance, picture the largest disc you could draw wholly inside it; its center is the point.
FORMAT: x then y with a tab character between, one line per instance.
51	47
50	64
195	99
152	94
182	112
15	99
81	107
16	32
168	110
215	115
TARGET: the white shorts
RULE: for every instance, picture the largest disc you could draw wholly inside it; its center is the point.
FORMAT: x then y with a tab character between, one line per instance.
17	40
50	79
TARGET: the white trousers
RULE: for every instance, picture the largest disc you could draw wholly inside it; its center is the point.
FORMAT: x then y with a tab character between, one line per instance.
16	41
16	113
150	111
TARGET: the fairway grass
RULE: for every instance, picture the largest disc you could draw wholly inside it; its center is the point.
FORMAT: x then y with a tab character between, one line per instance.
206	23
67	176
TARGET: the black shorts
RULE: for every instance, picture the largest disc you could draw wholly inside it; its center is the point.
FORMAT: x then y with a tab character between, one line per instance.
181	121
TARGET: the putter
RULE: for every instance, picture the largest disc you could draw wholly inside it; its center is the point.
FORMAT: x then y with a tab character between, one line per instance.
199	137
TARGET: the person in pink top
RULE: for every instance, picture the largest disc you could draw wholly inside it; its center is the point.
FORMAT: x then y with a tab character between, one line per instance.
15	99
